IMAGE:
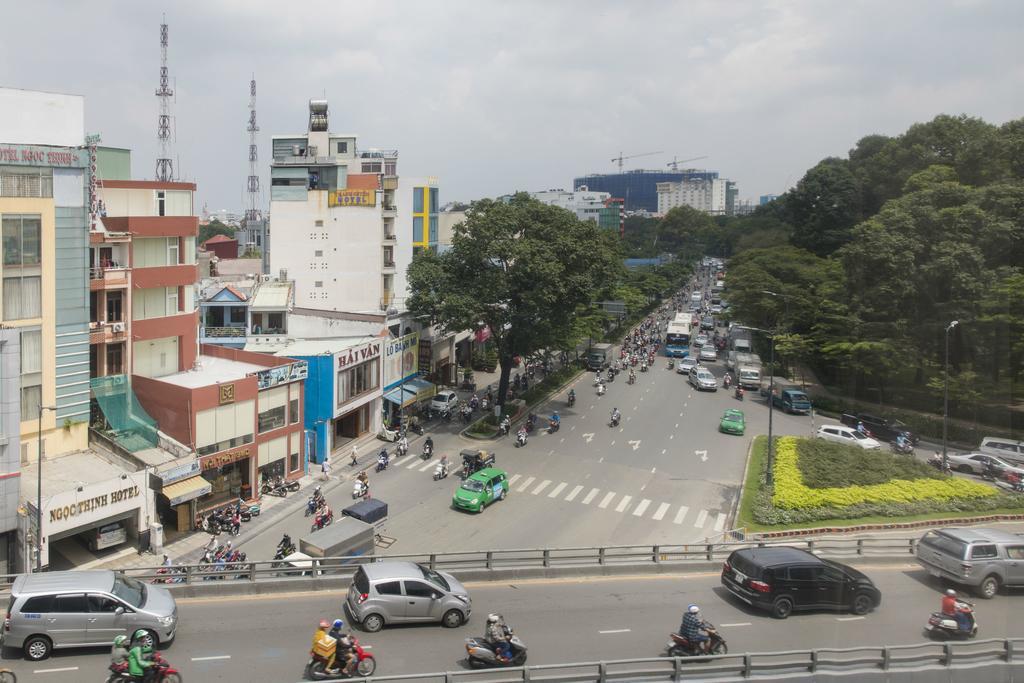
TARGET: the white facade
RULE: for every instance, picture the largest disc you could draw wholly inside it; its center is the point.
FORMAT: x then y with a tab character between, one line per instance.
586	204
708	196
31	117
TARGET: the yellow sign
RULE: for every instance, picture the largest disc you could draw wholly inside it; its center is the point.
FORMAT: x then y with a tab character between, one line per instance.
352	198
227	393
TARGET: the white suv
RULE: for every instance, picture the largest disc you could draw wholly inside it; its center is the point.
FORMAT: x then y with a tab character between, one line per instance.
847	435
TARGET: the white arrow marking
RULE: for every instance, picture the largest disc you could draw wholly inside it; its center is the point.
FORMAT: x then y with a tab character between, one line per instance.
703	455
588	436
663	450
634	444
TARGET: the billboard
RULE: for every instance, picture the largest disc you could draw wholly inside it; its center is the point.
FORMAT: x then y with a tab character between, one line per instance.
401	359
352	198
282	374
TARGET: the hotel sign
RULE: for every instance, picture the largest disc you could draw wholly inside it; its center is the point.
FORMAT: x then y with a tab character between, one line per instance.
34	155
352	198
90	503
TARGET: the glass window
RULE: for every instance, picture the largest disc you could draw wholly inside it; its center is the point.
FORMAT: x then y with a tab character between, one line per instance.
358	380
293	411
389	588
433	200
293	462
417	229
71	604
981	552
417	200
415	589
21	240
172	251
40	604
342	148
102	603
31	373
433	229
801	573
271	419
172	300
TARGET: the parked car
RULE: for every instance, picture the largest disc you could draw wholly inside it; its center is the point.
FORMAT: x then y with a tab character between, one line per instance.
56	610
481	489
783	579
732	422
847	435
444	400
982	559
976	463
684	366
394	592
701	379
880	427
708	352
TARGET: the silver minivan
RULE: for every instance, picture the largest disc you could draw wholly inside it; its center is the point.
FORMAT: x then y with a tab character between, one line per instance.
405	592
84	608
982	559
1008	449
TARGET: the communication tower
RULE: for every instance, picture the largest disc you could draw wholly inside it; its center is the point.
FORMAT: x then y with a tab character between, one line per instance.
164	165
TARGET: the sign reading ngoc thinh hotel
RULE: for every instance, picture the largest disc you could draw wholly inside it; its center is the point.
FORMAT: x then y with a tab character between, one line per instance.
94	502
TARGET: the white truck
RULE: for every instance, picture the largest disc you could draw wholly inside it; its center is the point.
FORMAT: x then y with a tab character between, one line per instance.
748	370
740	340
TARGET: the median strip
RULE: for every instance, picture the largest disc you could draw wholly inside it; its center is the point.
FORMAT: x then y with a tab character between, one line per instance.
210	658
54	671
736	625
615	630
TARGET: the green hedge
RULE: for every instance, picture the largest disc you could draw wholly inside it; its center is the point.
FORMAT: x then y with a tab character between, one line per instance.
824	464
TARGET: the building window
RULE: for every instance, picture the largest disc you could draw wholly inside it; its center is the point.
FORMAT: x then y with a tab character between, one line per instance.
31	373
115	359
172	251
433	200
417	200
22	255
372	167
293	412
318	283
318	253
432	237
155	302
21	181
272	405
172	300
161	203
293	462
271	419
417	230
342	148
356	381
114	314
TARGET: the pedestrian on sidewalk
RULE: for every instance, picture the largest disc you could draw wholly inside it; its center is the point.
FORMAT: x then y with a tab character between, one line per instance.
325	467
354	457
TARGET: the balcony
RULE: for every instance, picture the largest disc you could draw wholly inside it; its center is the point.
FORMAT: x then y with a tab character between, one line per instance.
231	334
390	237
107	332
111	276
391	303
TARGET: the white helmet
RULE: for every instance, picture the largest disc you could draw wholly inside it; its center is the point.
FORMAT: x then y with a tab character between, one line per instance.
950	592
492	618
693	609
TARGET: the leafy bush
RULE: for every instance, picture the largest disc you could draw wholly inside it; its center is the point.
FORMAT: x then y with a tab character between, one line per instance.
826	465
791	492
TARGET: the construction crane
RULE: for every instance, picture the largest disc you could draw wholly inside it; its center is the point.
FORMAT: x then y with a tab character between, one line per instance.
621	158
676	161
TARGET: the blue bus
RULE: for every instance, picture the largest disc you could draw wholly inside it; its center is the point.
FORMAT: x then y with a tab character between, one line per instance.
677	340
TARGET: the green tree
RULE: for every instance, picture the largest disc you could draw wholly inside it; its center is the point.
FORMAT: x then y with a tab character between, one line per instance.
824	207
214	227
522	269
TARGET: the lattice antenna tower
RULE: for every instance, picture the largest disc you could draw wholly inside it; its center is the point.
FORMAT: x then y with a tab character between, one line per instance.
164	165
252	214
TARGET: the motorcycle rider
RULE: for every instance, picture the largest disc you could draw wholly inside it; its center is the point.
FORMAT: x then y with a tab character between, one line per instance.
140	663
119	653
382	458
572	396
902	442
344	644
403	445
444	465
727	381
692	629
364	480
952	609
506	425
521	436
555	421
600	389
428	445
616	416
632	375
498	638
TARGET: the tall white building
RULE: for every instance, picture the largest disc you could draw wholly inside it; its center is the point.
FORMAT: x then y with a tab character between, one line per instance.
332	218
586	204
715	196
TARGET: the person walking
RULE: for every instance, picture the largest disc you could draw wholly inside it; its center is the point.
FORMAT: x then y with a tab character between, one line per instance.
325	467
354	457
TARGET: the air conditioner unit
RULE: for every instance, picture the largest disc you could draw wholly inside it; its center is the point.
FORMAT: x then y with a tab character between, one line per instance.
266	278
118	327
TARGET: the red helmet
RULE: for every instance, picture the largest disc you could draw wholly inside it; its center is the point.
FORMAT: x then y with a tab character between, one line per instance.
325	625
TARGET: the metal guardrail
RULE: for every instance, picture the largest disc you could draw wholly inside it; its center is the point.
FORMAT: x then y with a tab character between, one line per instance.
793	665
528	558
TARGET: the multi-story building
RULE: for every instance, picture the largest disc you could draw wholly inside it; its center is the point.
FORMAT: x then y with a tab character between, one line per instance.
586	204
335	207
241	311
766	199
716	196
638	188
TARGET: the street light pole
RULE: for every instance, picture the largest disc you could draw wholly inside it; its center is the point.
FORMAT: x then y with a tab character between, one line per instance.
769	477
945	396
39	489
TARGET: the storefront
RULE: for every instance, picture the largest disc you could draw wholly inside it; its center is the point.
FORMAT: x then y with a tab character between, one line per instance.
181	486
230	476
403	386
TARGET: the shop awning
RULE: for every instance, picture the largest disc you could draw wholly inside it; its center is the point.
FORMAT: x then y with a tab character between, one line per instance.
402	397
185	490
421	387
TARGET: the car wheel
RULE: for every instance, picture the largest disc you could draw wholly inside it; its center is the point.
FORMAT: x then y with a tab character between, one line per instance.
150	640
988	588
373	623
501	496
452	619
36	648
862	604
782	608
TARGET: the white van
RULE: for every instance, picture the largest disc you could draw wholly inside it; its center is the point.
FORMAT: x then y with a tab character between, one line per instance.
1008	449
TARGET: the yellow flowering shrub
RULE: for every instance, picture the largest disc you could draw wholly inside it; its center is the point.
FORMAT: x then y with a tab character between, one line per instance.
790	492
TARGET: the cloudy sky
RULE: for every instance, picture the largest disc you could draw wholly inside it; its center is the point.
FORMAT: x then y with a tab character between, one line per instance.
497	96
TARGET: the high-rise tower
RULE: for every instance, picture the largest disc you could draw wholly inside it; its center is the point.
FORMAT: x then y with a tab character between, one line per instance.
252	214
164	165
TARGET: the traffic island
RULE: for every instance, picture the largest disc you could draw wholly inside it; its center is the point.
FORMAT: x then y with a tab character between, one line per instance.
820	487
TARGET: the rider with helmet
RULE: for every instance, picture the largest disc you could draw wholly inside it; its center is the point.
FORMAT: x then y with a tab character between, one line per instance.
344	643
497	635
119	653
692	629
140	663
950	607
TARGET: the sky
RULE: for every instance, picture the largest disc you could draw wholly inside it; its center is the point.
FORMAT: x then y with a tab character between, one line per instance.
495	96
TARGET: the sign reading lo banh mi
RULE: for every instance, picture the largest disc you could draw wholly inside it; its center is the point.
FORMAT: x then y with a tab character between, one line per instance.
352	198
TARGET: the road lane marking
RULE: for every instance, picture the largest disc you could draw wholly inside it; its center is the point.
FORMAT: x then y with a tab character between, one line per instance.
525	484
514	479
572	494
412	463
210	658
53	671
659	514
653	470
702	517
558	489
551	452
607	499
621	429
671	436
589	436
679	515
427	466
634	444
741	623
541	486
590	496
849	618
616	630
677	425
572	429
561	440
613	442
720	522
623	503
664	450
680	414
642	507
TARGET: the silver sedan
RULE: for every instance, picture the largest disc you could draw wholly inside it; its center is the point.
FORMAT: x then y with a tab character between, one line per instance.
975	463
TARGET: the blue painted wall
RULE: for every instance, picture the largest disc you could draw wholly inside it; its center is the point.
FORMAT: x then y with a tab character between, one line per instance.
319	409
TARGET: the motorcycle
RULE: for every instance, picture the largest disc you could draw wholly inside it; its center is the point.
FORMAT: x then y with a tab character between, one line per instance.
360	489
428	451
553	426
311	505
632	378
165	673
382	464
727	381
600	390
440	471
480	653
671	364
284	548
571	400
906	449
401	450
643	367
614	422
739	393
679	646
363	665
275	489
322	519
520	439
945	626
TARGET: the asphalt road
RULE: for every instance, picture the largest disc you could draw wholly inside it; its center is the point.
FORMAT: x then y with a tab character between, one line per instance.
665	475
267	639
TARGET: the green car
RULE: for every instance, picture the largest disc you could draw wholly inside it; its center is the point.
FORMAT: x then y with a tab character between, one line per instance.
732	422
481	489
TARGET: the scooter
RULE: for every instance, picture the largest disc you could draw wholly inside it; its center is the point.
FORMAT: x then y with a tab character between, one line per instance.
401	450
363	666
311	505
906	449
520	438
614	422
643	367
428	451
164	672
739	393
480	653
671	363
571	400
600	390
359	489
936	462
382	463
553	426
679	646
322	519
440	471
944	626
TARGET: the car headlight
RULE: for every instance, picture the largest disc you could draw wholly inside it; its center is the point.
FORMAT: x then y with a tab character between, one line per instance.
474	501
463	598
166	621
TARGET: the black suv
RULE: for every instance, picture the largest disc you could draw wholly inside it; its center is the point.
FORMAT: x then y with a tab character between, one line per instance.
781	579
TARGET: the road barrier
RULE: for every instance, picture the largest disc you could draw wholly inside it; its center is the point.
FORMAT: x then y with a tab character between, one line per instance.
988	660
520	563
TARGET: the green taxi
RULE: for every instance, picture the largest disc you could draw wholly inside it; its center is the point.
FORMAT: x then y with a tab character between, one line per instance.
732	422
481	489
